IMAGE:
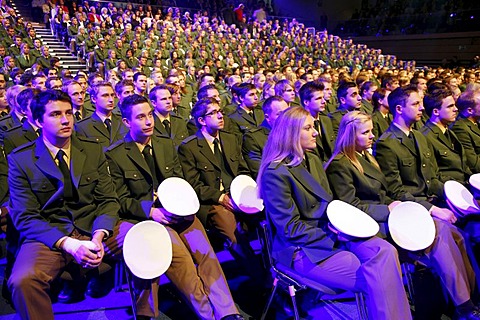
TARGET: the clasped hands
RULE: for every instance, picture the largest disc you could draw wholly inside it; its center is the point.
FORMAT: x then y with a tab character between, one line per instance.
87	253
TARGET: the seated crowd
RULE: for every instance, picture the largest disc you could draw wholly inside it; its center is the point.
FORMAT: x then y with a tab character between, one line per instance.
312	117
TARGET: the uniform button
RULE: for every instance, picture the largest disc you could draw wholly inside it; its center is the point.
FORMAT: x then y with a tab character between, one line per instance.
134	175
44	186
96	139
424	165
88	179
428	181
445	152
205	167
428	153
166	168
313	206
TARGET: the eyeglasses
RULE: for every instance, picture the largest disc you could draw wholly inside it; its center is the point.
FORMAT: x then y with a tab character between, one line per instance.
215	113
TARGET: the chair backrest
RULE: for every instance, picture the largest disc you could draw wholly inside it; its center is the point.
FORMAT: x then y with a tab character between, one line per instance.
266	241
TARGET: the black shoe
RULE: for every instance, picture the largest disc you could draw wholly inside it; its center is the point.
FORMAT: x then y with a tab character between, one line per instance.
96	288
472	315
70	293
233	317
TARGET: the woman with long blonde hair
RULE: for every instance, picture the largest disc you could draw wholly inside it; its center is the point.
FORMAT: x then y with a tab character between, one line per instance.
296	193
353	172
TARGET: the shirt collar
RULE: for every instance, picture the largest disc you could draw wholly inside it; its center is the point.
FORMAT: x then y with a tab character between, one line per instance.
54	150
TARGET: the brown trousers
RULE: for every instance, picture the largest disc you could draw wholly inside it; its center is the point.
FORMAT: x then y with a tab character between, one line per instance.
195	271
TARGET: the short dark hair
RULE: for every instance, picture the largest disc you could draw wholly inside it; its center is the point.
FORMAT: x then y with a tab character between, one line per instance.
399	96
433	100
466	100
200	108
366	86
267	105
153	92
343	88
307	90
243	88
138	74
25	96
203	91
37	106
378	95
47	82
95	88
129	102
122	84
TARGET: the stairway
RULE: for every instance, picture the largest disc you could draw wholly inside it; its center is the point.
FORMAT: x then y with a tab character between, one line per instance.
57	47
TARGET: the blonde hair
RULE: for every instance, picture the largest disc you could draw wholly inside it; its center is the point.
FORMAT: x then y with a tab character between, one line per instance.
346	139
284	140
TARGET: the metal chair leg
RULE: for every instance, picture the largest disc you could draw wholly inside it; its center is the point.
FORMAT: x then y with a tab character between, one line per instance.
272	295
291	291
361	308
133	294
408	276
119	272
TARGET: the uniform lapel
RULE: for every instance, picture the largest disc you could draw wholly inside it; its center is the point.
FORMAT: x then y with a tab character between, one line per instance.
100	126
474	128
159	155
160	128
440	136
45	161
246	116
301	174
205	150
76	166
134	154
371	171
28	132
404	139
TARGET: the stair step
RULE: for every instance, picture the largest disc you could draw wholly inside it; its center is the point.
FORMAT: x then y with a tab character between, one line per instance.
57	47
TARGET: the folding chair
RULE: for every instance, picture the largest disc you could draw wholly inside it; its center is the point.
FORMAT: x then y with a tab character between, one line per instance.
293	281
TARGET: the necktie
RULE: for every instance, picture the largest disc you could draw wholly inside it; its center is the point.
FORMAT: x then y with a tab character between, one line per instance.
151	164
38	132
166	124
108	124
78	115
253	117
3	114
449	137
318	127
226	178
23	120
67	178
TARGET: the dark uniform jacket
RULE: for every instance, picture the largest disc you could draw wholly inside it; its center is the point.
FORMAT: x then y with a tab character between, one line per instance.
469	136
178	128
410	168
132	176
202	169
38	209
253	143
94	128
17	136
244	121
295	203
366	191
450	156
